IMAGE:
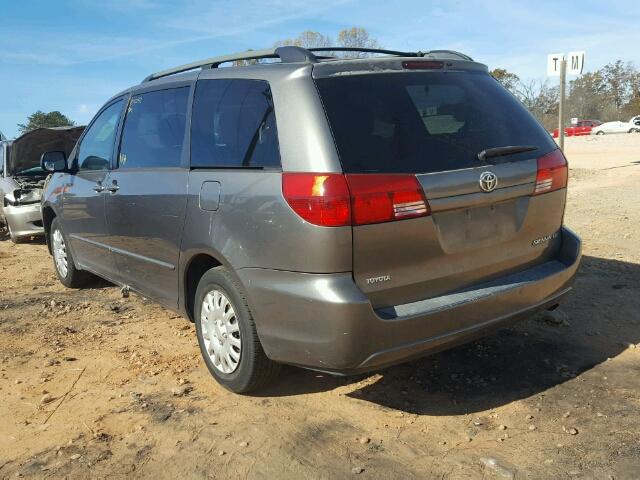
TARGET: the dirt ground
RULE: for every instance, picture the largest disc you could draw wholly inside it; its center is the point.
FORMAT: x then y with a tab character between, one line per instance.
94	385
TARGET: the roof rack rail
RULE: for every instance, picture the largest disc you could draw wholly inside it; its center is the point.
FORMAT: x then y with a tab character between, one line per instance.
293	54
363	50
287	54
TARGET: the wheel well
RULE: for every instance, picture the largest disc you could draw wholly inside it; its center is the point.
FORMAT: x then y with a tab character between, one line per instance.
195	270
47	218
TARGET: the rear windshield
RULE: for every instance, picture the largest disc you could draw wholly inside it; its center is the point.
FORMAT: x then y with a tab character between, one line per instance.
425	122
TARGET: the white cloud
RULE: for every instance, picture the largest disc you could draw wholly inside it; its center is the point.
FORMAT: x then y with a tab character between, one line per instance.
196	21
231	18
518	36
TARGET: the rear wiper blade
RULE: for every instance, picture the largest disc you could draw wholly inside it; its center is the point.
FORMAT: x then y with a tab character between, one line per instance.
502	151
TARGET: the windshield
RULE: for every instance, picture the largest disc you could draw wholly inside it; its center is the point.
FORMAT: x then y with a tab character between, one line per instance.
31	172
426	122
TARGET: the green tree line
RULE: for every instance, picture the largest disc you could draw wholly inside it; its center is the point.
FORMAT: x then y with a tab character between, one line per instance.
609	93
41	119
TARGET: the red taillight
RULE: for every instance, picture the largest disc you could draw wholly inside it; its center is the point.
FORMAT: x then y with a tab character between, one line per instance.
334	200
422	64
319	198
377	198
552	173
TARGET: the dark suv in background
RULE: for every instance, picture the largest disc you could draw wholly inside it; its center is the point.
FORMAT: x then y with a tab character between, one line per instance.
337	214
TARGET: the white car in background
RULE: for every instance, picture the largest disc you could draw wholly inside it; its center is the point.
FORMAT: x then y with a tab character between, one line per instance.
632	126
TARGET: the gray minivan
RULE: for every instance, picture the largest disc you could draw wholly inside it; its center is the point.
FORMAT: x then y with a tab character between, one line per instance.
337	214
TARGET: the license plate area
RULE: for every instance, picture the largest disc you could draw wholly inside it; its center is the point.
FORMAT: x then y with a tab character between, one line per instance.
477	227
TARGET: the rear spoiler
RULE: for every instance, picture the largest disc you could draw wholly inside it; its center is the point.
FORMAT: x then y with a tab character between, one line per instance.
394	64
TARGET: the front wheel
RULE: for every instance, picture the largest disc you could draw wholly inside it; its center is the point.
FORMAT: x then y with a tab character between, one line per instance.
600	133
63	262
227	334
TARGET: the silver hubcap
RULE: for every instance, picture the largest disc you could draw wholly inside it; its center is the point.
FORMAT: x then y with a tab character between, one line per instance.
220	331
60	253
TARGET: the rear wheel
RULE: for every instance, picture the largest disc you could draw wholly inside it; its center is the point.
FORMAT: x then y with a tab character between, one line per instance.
634	130
63	262
227	334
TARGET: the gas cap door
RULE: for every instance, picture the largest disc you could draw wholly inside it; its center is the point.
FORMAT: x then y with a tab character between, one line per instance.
209	196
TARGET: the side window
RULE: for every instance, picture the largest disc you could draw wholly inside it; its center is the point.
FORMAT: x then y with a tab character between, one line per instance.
96	149
234	125
153	131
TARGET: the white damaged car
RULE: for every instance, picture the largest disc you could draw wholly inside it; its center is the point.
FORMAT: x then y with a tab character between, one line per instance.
22	179
632	126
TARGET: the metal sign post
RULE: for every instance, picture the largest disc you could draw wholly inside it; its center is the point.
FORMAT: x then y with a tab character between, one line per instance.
557	66
563	83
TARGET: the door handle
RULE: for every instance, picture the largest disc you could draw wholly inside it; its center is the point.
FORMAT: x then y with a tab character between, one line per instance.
113	188
98	187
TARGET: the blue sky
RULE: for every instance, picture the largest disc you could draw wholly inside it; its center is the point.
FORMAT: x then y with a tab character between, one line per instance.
72	55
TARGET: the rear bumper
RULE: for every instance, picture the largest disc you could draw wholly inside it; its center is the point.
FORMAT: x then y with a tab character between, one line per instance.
325	322
24	220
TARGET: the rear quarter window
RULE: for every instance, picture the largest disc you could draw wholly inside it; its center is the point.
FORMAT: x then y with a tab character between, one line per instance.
234	125
422	122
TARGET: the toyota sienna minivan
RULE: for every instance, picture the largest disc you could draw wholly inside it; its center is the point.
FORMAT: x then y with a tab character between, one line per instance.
310	209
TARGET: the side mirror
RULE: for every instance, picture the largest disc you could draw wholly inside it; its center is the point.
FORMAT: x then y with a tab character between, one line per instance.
53	161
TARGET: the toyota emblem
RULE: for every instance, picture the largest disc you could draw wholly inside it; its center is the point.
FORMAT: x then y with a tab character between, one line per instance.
488	181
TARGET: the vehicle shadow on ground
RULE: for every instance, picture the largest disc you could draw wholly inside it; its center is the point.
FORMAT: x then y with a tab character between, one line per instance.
96	282
36	240
602	319
630	164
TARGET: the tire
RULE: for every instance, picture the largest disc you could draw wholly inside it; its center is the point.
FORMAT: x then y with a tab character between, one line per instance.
634	130
72	277
242	364
600	133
